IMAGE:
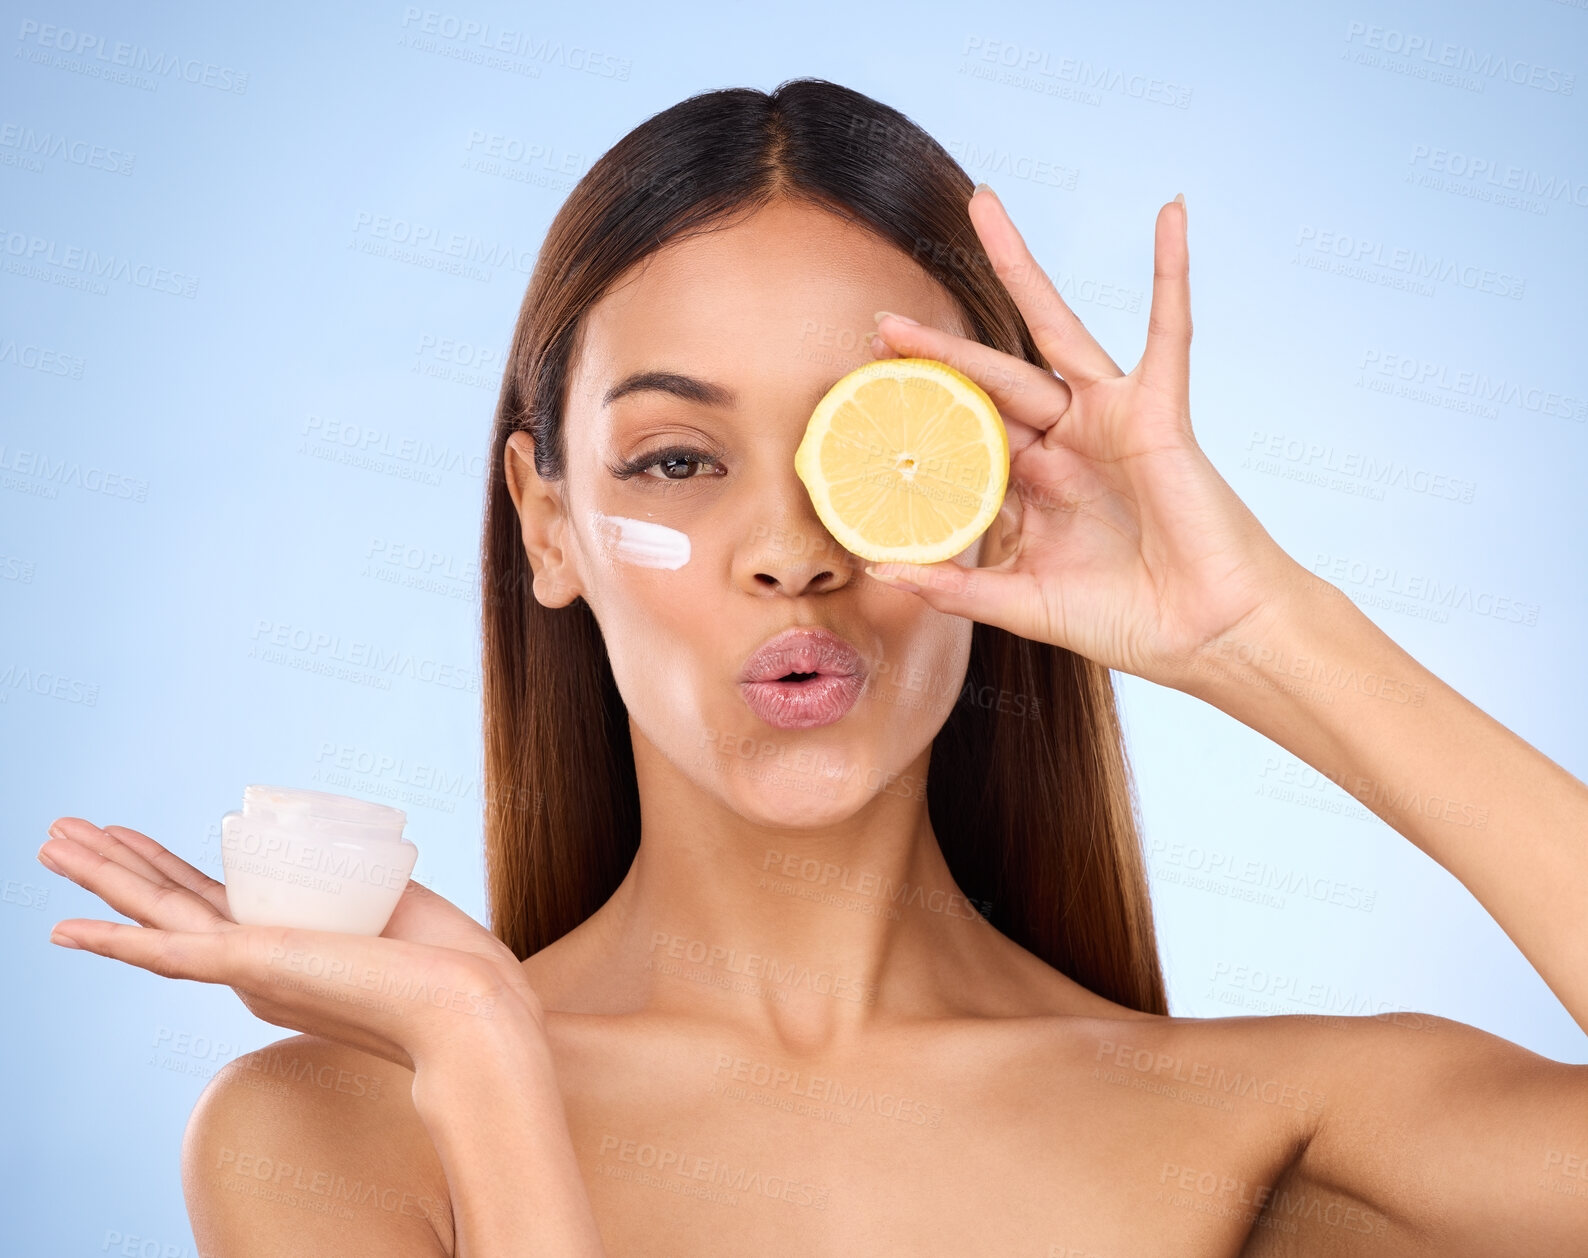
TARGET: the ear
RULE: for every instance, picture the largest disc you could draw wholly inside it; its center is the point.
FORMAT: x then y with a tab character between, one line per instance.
543	524
1003	534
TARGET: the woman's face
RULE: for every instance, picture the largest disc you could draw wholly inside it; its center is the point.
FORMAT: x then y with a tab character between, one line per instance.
766	315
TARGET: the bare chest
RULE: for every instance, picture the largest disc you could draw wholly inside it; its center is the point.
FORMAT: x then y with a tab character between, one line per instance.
709	1150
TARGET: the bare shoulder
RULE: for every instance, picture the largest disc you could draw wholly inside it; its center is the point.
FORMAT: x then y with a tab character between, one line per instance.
311	1147
1259	1070
1430	1137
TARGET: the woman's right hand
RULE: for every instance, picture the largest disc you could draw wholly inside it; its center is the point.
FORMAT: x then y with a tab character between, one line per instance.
433	978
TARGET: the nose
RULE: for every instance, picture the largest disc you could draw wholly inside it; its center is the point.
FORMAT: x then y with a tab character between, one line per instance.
788	550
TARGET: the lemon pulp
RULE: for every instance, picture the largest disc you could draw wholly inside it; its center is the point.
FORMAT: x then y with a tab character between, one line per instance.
906	460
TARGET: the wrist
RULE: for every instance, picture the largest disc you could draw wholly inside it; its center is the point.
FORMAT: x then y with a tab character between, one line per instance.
495	1077
499	1034
493	1109
1275	648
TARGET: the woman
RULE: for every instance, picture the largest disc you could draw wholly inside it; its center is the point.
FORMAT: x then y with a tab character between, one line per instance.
752	987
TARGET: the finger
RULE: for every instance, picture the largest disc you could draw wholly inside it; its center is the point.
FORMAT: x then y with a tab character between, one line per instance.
1058	332
155	901
174	867
1166	363
269	965
1030	399
1020	434
204	956
107	844
319	973
991	595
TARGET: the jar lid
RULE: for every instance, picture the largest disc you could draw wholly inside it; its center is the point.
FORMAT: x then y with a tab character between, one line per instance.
321	812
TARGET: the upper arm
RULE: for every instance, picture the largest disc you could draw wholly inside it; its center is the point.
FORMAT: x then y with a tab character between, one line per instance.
1464	1142
309	1148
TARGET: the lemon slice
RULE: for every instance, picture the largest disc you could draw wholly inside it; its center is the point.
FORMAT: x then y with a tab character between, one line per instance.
906	461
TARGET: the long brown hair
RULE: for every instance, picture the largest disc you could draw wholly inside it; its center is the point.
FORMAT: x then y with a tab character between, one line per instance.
1032	800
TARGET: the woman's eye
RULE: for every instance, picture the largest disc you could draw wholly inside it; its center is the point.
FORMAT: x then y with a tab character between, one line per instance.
677	465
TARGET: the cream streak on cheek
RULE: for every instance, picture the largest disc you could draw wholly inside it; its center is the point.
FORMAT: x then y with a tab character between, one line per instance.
642	542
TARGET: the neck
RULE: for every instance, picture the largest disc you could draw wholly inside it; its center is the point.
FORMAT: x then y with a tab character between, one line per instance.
807	934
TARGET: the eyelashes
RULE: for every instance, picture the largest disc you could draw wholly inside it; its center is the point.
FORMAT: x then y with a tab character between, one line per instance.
679	457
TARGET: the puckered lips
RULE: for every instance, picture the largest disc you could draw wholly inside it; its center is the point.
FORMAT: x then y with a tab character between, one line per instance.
802	678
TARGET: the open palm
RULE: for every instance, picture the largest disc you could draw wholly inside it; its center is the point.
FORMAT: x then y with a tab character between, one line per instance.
185	930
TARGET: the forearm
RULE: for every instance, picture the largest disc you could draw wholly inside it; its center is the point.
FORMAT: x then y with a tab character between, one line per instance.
1323	681
496	1118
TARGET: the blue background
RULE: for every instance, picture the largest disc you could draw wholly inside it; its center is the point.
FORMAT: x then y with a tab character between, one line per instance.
293	448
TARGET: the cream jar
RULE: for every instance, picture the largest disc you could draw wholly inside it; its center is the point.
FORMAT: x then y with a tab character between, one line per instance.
314	860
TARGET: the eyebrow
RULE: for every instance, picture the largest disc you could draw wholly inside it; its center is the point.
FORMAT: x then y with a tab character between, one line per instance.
690	388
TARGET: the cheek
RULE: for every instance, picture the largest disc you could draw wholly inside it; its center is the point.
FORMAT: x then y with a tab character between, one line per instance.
644	585
641	543
635	573
922	672
939	662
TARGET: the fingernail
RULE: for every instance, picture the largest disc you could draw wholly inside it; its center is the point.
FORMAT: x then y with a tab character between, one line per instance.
56	831
883	314
65	941
1180	197
49	864
983	187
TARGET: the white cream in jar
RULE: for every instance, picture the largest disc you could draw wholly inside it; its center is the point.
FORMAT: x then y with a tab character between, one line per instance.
314	860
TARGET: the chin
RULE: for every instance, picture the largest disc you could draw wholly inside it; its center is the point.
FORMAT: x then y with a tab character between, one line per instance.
769	793
771	796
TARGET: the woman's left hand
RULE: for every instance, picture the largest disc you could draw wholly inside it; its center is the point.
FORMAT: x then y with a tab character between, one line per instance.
1120	540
